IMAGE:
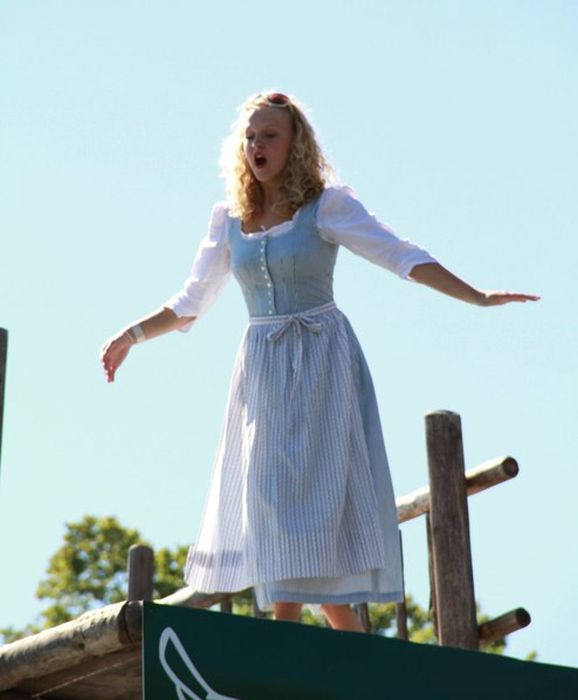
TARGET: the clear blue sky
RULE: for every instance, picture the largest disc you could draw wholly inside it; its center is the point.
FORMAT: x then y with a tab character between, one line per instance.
455	122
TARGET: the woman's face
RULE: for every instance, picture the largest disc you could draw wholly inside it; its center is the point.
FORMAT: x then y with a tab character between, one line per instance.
268	142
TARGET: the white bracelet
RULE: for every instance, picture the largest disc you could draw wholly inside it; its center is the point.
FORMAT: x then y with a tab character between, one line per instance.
138	333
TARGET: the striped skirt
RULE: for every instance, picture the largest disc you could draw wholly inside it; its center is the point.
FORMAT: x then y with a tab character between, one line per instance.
300	504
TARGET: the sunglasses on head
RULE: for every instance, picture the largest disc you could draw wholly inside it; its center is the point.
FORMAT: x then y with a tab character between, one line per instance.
277	99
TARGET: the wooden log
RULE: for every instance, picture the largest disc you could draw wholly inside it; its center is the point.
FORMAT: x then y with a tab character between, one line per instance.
454	581
189	598
141	562
3	357
501	626
490	473
93	634
116	675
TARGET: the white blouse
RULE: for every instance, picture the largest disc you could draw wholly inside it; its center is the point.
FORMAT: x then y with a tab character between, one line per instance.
341	219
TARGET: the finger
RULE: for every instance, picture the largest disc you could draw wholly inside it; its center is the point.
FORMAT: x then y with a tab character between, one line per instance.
109	371
507	297
523	297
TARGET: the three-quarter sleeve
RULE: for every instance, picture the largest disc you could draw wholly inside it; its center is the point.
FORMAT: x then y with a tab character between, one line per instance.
342	219
210	272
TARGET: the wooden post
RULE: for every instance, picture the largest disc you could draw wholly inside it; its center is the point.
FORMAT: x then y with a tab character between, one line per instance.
401	620
257	612
432	580
3	355
450	532
401	608
362	612
141	562
226	605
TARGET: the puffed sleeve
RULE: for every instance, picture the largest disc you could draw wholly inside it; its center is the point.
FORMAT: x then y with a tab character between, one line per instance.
210	272
342	219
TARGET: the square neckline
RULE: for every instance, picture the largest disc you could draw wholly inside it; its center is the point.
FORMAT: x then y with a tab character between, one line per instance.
286	226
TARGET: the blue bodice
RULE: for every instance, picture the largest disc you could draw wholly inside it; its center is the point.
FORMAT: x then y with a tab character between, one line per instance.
286	273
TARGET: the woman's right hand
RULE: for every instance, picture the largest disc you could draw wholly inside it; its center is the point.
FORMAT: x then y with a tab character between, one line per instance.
114	352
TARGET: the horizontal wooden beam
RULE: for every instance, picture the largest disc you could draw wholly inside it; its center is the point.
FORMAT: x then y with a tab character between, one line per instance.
503	625
482	477
93	634
189	598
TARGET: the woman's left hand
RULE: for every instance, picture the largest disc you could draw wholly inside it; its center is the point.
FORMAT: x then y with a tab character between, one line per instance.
498	298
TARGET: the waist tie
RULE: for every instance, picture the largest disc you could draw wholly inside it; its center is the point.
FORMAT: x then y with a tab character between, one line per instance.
300	321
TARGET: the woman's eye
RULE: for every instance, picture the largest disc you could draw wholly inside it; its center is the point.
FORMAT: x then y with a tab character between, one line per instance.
249	137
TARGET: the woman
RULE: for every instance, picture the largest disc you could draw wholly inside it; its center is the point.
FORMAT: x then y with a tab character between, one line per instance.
301	504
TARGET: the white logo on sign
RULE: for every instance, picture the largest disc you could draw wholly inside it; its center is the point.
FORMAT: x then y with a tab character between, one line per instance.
183	690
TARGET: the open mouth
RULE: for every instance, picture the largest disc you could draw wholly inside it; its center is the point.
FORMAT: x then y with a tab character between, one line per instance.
260	161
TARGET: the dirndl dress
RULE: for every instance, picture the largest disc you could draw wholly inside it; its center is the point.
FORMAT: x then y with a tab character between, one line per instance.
300	505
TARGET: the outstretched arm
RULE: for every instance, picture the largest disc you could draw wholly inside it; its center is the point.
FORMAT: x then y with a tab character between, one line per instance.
114	351
211	269
437	277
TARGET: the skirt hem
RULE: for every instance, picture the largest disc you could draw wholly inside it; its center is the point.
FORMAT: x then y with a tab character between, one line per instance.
344	598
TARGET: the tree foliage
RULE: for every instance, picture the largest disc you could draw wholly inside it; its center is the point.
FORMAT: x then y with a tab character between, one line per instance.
89	569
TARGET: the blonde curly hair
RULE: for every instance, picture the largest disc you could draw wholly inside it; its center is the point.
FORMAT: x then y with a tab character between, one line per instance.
307	171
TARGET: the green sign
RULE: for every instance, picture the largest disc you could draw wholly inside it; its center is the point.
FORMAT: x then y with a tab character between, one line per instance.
191	654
